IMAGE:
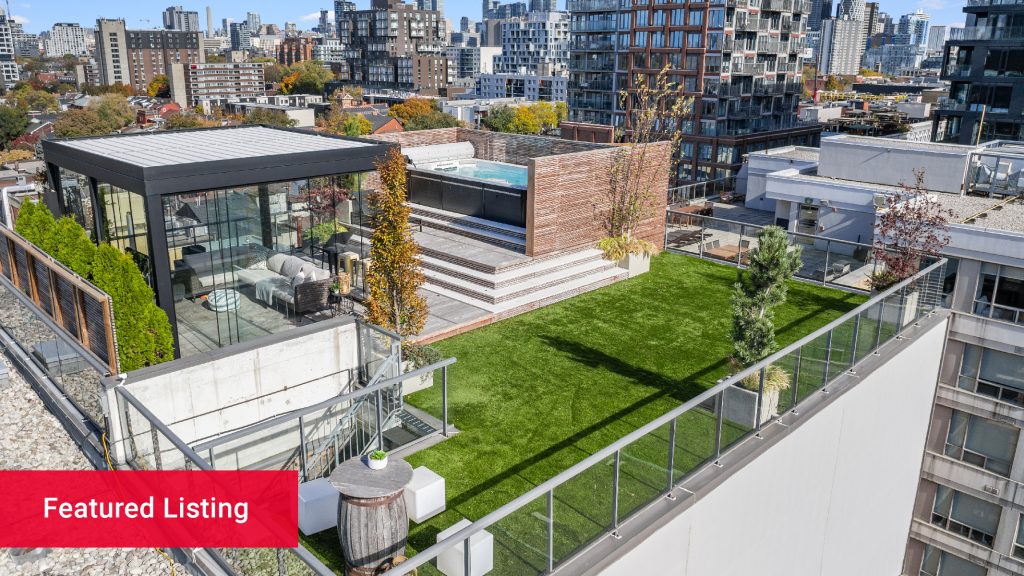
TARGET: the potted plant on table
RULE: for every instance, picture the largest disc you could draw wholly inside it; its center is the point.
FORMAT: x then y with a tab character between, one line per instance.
377	460
759	290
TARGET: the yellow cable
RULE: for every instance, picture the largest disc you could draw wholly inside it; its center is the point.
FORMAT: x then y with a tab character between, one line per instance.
110	466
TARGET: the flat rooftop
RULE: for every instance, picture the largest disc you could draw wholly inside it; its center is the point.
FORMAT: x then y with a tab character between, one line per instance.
191	146
899	144
792	152
992	213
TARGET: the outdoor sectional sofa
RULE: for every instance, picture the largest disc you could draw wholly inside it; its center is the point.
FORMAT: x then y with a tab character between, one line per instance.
279	278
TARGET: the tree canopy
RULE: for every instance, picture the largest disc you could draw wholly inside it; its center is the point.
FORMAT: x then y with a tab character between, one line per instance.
13	122
345	124
422	114
185	120
306	77
269	117
159	87
28	98
80	122
526	119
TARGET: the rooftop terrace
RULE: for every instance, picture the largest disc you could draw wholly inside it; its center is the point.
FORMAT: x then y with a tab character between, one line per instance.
537	393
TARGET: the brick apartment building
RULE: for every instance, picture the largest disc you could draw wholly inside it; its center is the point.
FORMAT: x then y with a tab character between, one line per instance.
135	57
294	50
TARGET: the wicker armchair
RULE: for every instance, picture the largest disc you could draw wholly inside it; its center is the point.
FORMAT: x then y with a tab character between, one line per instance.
311	296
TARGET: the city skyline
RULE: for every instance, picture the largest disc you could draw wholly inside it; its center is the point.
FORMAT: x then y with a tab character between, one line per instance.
39	16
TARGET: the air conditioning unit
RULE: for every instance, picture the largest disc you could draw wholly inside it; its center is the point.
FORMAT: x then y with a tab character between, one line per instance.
879	200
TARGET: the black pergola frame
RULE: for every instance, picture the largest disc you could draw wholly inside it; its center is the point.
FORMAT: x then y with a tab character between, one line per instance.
154	182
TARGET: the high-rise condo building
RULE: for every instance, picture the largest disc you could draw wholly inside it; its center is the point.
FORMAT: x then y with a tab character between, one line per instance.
135	57
984	63
65	38
177	18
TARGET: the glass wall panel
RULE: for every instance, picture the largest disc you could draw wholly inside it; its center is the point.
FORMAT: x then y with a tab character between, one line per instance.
78	199
254	260
124	221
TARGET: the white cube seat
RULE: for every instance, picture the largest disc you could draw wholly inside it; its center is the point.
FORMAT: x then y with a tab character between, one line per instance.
481	550
318	506
424	494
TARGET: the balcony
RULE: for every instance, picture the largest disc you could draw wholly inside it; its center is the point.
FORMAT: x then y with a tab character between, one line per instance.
592	46
958	70
771	46
970	33
597	5
748	68
593	27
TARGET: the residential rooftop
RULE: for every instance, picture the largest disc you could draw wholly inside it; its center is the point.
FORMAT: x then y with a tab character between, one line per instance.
205	145
792	152
982	212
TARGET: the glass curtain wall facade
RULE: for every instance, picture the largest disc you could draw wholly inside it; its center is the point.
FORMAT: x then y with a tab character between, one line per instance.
228	285
214	237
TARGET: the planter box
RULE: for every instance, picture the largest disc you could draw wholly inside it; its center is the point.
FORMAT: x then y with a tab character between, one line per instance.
636	264
741	405
416	383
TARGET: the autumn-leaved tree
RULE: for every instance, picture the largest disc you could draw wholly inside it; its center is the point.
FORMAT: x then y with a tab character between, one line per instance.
422	114
655	110
159	87
394	277
80	122
344	124
185	120
912	226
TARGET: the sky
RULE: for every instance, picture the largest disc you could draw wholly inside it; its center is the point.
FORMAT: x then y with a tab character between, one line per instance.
39	15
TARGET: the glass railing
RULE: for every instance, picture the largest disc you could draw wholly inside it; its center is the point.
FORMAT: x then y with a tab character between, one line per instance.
839	263
150	445
554	522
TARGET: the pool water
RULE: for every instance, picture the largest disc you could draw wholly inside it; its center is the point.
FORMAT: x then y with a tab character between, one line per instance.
510	174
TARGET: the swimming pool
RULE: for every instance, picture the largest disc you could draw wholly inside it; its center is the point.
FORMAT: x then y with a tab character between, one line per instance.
511	174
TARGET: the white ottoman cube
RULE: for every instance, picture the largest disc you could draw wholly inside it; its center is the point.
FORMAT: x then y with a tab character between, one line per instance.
424	495
481	550
318	506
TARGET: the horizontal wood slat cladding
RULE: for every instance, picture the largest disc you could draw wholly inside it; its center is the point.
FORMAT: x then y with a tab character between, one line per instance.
56	290
569	198
569	182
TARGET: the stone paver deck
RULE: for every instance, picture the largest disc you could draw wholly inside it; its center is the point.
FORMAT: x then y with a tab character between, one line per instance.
35	440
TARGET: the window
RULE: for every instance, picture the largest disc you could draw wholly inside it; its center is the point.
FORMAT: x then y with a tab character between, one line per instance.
641	18
696	18
993	373
694	40
981	442
940	563
970	517
1000	293
677	17
704	152
657	39
716	18
726	154
675	39
659	18
686	150
640	39
78	199
1018	544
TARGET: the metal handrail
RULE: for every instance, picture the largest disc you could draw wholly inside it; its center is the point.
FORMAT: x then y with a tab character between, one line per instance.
269	422
548	487
304	555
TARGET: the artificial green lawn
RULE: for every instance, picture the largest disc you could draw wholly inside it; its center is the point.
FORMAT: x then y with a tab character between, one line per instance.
537	393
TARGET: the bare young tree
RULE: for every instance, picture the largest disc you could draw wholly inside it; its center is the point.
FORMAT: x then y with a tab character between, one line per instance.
911	227
654	108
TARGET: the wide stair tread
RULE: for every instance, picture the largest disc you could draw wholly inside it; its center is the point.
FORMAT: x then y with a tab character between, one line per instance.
437	214
510	239
538	297
515	290
533	269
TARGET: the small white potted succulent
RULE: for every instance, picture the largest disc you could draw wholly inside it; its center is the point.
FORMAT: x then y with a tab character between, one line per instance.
377	460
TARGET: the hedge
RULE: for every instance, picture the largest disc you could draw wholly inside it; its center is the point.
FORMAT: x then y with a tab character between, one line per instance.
143	331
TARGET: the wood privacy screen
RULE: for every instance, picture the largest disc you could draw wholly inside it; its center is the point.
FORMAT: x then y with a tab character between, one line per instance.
83	310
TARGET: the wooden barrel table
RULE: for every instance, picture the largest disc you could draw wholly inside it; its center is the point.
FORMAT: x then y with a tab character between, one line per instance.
373	525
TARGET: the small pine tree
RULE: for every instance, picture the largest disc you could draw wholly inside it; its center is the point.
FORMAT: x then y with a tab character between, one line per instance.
394	276
771	265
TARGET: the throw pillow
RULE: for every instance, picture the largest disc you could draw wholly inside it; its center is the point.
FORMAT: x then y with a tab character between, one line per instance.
298	279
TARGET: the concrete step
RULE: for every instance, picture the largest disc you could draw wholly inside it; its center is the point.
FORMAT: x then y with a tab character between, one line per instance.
468	221
510	276
518	289
537	298
499	239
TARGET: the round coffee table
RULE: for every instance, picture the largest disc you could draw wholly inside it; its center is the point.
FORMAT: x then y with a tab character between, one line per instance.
224	299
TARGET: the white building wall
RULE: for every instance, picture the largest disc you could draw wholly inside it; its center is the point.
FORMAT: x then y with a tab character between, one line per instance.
207	399
867	160
834	498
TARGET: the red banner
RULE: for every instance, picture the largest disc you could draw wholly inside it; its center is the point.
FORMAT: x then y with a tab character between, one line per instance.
180	509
